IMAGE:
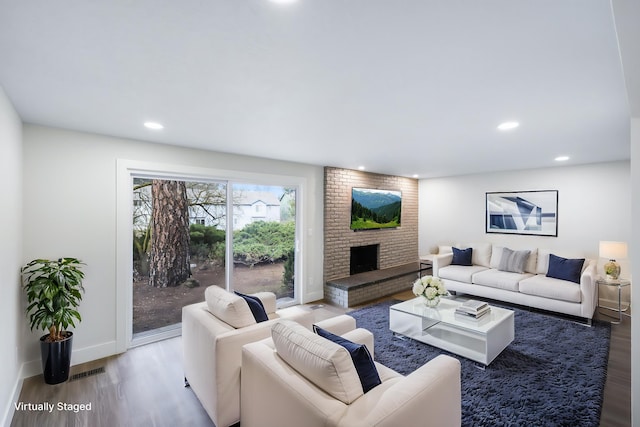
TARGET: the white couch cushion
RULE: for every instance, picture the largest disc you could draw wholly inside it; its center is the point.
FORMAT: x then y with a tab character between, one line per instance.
500	279
532	263
549	287
442	249
268	301
496	256
228	307
324	363
459	273
481	254
542	264
360	356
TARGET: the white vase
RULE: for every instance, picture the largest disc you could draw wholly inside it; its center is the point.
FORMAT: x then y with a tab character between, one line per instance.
431	302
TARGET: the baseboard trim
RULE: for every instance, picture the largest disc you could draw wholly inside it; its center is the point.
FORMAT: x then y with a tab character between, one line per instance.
82	355
17	388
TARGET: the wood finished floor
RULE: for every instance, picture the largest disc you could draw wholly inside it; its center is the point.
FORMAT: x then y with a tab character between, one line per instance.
144	387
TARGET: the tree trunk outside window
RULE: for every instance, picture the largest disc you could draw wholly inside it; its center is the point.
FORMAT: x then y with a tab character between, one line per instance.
169	259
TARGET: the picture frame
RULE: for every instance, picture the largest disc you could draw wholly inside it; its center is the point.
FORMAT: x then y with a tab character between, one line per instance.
374	209
532	213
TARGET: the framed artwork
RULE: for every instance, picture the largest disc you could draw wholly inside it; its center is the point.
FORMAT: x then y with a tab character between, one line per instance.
523	212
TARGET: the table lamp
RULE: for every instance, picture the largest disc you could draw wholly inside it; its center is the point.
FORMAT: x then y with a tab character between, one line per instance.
613	251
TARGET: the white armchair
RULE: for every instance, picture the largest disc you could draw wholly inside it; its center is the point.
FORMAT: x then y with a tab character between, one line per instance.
213	333
279	393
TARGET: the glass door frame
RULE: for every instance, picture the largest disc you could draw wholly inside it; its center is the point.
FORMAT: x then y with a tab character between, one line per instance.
126	171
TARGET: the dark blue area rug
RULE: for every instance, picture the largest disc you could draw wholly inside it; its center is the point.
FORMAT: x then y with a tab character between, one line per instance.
552	374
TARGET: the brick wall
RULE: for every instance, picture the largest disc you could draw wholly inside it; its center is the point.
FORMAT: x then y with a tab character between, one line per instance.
349	298
397	245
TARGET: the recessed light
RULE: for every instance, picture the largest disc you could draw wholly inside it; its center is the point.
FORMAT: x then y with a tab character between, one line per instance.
153	125
361	168
415	175
508	125
561	158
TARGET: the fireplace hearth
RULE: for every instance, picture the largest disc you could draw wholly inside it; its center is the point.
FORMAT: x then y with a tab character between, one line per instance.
363	259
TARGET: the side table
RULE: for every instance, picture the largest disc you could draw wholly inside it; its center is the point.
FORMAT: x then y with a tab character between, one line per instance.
619	284
425	263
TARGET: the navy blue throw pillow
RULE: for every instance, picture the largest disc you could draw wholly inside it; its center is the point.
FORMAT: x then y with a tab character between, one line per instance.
256	307
462	256
361	357
565	269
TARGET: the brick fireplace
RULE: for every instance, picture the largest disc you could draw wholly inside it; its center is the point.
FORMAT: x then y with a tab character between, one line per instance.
395	247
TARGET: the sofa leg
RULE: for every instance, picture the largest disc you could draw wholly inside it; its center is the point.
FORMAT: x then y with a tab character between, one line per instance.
186	382
583	321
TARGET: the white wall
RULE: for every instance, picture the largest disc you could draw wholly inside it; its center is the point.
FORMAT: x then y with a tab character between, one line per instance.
11	316
593	204
635	260
70	183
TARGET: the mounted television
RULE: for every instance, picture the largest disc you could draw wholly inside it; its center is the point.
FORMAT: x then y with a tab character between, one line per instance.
373	209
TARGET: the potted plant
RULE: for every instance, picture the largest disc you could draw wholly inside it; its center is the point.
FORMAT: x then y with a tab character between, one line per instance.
54	291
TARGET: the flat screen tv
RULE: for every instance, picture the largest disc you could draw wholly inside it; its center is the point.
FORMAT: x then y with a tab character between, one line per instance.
373	209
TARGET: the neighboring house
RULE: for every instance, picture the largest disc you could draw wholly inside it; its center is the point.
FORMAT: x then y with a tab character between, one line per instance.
254	206
249	206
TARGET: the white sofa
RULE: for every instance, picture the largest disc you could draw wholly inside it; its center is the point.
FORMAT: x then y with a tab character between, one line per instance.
312	388
213	333
530	288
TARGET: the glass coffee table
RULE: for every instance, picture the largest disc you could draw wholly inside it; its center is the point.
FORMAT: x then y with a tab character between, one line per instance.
480	340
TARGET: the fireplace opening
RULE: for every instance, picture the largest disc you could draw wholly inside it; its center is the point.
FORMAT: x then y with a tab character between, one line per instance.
363	258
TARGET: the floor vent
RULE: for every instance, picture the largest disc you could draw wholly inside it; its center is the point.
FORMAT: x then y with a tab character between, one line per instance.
315	307
85	374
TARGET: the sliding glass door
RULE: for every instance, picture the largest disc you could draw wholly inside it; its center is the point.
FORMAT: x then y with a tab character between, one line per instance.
184	242
264	236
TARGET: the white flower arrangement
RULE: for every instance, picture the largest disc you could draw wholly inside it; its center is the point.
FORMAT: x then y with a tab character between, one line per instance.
429	287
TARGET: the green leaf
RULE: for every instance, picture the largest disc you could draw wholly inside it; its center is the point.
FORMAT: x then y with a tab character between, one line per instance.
53	290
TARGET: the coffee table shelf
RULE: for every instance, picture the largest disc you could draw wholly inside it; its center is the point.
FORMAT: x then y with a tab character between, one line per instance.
480	340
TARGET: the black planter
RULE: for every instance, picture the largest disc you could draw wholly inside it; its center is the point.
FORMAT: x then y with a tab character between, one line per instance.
56	359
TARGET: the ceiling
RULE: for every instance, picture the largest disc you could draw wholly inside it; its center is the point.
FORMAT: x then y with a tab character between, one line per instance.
400	87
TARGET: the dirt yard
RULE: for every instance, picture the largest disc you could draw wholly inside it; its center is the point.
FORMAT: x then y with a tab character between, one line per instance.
155	308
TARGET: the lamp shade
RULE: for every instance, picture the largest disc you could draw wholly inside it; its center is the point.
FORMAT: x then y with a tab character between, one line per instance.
613	250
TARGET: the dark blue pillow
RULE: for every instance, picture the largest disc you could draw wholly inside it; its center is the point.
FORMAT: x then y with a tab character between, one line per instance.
256	307
361	357
462	256
565	269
